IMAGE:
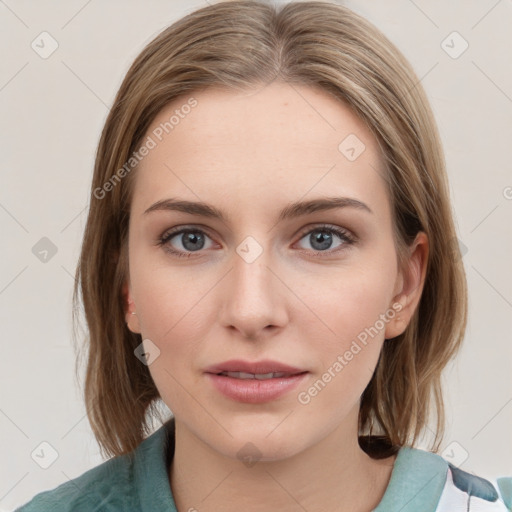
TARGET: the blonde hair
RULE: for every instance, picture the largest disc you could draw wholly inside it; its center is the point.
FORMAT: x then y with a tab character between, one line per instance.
239	44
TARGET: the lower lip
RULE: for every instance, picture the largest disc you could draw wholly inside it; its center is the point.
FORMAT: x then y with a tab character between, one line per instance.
254	391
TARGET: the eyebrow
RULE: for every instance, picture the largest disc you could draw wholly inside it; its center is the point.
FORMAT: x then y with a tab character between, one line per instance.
290	211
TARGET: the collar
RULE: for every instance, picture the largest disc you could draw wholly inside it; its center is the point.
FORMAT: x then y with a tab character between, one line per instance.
150	467
416	482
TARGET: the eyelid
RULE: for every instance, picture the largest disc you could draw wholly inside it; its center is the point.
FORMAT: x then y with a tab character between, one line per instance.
328	227
169	233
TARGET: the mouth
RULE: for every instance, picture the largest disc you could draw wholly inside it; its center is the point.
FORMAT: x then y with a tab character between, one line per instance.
258	376
265	369
254	382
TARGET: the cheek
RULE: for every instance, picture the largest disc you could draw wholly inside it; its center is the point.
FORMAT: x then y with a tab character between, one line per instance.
173	312
355	306
352	300
176	315
168	297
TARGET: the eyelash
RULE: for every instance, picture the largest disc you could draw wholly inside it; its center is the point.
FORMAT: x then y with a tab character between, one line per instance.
344	235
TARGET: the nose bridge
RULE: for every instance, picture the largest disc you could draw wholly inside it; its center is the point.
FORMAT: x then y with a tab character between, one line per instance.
252	300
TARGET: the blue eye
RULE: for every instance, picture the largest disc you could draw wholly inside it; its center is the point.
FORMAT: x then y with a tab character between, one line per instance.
194	240
321	239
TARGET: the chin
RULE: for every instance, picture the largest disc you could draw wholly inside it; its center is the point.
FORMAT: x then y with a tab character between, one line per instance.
250	453
252	445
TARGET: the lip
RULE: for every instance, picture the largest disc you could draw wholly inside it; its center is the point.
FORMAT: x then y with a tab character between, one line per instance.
264	366
254	391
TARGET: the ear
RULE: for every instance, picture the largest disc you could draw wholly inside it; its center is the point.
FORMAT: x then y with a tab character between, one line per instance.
409	286
130	313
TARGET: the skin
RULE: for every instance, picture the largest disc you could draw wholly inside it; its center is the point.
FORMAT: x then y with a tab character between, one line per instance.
250	154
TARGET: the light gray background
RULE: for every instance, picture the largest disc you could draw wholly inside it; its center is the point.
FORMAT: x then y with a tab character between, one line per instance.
52	113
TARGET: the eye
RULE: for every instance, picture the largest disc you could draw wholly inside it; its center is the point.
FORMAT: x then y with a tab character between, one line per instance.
190	239
320	238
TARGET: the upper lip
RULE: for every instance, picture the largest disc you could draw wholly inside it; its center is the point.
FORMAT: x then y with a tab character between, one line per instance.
256	367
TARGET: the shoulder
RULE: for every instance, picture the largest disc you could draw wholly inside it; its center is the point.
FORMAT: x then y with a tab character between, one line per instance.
461	490
127	482
423	480
110	481
473	493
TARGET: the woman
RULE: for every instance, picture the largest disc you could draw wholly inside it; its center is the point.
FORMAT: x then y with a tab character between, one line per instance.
269	252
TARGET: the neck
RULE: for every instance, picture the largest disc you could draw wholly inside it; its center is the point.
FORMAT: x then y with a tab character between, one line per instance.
333	475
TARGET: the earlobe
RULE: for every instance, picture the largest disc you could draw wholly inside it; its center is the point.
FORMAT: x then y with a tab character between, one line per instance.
396	326
130	314
412	280
132	321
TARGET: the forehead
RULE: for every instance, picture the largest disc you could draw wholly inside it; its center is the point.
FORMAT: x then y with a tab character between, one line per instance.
273	143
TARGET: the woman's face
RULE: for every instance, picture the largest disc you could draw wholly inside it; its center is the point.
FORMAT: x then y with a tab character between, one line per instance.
272	280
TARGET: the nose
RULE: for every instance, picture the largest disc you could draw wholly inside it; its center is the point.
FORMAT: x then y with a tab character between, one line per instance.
252	300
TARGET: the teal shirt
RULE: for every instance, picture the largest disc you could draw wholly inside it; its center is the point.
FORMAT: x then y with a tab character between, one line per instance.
139	481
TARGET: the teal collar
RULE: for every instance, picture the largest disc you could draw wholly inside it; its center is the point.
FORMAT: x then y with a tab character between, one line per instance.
151	463
416	484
